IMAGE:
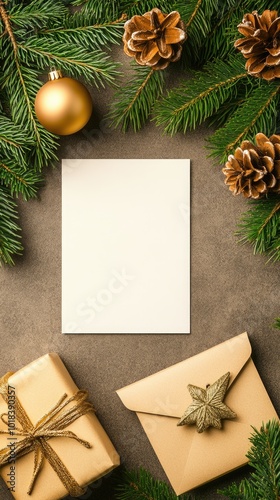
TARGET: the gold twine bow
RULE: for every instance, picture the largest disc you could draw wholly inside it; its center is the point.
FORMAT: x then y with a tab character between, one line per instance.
35	437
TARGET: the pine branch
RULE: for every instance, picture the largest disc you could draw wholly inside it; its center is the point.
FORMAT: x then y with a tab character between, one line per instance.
274	253
260	226
140	485
14	141
9	230
134	102
21	85
244	491
35	36
82	28
20	180
197	16
103	10
36	14
226	111
264	457
257	113
114	8
200	97
95	67
245	6
220	39
277	323
134	7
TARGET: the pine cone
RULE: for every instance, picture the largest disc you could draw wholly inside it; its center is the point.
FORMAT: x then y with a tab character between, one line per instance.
261	45
154	39
254	170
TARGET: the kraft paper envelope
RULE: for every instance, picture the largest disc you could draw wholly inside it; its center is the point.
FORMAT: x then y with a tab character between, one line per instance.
125	246
189	458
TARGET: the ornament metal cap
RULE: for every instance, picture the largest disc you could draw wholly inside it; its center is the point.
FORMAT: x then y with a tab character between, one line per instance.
55	74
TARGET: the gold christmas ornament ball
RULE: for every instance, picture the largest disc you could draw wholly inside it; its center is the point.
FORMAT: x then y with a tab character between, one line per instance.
63	105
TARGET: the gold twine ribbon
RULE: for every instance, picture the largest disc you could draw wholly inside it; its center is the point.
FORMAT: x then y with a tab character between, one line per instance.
35	437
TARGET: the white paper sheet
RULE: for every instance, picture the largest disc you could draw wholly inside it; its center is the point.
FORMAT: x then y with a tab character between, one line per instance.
126	246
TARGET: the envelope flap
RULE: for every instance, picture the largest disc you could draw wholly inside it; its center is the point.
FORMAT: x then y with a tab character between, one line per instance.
165	393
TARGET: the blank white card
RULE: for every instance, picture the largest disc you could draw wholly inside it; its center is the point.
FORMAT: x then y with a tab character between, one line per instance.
126	246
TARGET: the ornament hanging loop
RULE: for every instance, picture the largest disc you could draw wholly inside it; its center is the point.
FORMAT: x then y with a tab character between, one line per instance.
55	74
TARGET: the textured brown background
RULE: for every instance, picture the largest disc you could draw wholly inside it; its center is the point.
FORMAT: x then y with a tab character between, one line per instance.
231	291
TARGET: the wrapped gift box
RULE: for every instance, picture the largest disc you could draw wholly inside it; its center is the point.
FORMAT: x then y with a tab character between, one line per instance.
38	387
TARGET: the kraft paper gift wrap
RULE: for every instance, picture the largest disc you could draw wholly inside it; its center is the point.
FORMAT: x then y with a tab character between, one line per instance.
189	458
38	387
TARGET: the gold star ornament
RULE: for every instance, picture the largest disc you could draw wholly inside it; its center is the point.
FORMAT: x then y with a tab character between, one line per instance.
207	408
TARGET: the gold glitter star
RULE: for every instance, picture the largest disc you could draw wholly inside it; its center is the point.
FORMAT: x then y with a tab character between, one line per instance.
207	408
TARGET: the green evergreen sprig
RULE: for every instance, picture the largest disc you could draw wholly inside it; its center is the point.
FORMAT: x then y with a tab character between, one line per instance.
114	8
264	458
133	103
140	485
277	323
14	141
257	112
228	16
198	16
10	240
139	7
260	226
103	10
87	30
205	93
73	60
35	37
